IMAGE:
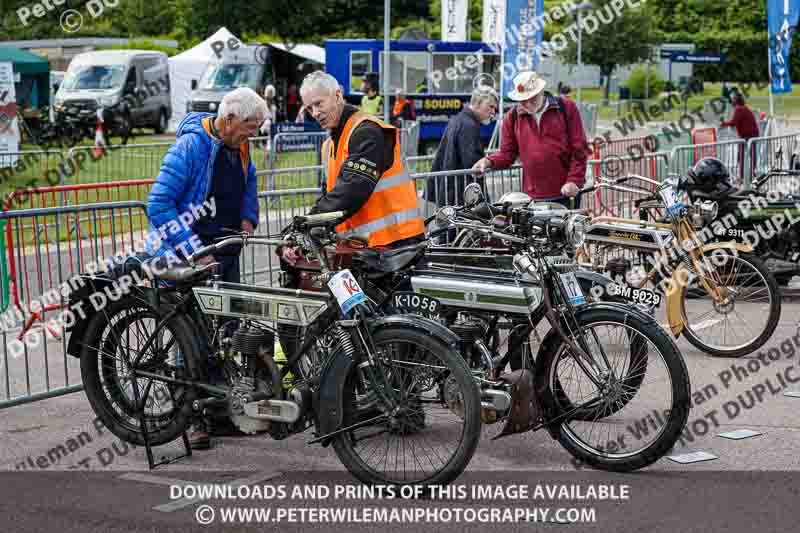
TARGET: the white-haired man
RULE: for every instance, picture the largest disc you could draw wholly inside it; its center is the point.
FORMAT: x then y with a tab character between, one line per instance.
210	160
365	173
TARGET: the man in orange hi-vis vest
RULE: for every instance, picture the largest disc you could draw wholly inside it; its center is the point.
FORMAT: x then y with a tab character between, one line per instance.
365	174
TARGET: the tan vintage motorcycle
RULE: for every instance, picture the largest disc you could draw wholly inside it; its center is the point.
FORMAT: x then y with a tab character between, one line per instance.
719	295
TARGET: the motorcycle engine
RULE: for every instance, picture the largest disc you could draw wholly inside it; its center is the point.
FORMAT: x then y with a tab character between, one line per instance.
252	343
471	331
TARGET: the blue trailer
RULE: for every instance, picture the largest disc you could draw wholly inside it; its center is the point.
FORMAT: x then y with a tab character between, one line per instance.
437	76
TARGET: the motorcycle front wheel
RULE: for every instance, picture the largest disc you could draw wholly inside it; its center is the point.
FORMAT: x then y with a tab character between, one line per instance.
429	433
593	410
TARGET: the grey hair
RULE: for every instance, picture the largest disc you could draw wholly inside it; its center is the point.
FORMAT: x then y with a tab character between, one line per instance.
481	94
320	80
243	103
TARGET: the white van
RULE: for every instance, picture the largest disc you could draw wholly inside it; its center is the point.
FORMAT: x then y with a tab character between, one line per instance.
132	86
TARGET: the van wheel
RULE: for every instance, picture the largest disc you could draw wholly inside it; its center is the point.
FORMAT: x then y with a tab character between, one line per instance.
161	126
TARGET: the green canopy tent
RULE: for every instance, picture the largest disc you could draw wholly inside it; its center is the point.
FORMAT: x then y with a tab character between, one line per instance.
33	87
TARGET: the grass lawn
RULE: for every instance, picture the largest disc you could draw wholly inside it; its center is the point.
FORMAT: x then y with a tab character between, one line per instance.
785	105
126	164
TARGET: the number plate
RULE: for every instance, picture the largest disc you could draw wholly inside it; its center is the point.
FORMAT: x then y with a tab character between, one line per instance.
415	303
346	290
634	294
670	199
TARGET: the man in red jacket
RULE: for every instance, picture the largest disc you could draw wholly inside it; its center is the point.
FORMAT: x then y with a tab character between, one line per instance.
546	133
743	119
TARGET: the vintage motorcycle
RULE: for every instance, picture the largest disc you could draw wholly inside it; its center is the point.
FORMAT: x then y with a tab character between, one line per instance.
706	285
364	380
768	220
590	367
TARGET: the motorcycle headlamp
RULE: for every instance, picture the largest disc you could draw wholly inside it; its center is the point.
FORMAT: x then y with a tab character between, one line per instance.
709	211
576	229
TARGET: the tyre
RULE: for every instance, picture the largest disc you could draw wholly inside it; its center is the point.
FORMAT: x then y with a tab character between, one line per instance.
629	429
112	339
741	324
438	411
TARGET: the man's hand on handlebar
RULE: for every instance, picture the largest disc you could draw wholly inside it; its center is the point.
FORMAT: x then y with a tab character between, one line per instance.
569	189
292	254
482	165
205	260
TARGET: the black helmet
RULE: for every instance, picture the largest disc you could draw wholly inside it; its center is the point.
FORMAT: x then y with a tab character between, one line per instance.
708	175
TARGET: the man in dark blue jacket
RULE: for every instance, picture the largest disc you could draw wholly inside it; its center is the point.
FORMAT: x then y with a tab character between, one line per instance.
461	147
209	164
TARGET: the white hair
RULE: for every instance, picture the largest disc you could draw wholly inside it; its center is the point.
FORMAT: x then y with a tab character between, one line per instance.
243	103
320	80
481	94
269	91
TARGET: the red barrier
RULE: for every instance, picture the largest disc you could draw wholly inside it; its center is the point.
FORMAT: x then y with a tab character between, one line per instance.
704	136
37	236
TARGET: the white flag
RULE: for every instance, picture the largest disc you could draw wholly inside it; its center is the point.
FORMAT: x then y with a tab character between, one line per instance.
494	21
454	20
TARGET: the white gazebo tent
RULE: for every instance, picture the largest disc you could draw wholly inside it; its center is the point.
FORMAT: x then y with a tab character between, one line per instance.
188	66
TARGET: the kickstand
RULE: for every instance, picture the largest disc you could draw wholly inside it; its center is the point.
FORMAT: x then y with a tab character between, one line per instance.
146	438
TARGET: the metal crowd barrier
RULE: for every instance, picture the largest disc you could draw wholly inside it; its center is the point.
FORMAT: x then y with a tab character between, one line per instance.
39	367
731	153
765	153
88	164
30	168
289	150
616	203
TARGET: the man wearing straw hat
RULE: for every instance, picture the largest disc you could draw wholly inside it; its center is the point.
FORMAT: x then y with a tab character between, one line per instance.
546	133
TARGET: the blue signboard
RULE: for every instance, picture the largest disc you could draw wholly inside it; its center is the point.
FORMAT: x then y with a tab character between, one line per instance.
782	23
524	31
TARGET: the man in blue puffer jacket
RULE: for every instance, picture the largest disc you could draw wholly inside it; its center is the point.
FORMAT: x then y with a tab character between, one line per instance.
209	164
207	188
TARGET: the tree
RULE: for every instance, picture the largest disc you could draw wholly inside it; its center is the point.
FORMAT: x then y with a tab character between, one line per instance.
624	41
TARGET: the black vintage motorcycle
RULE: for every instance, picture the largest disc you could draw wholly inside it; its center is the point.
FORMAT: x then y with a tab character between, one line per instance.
367	382
767	215
588	376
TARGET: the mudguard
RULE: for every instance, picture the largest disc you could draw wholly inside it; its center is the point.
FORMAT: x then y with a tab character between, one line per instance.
676	294
87	286
331	396
594	277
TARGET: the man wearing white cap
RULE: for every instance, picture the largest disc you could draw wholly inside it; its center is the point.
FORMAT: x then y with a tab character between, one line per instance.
546	133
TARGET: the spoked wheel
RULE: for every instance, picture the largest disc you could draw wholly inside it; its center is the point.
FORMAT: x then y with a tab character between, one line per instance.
418	421
113	340
595	414
745	313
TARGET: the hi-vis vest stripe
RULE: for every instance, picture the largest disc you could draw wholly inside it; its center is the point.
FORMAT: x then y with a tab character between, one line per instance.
391	213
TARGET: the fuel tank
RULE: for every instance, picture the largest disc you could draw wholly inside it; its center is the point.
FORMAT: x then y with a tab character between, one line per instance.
629	236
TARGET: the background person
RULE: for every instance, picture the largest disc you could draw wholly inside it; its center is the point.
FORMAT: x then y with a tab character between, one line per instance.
743	119
546	133
372	102
403	109
460	148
